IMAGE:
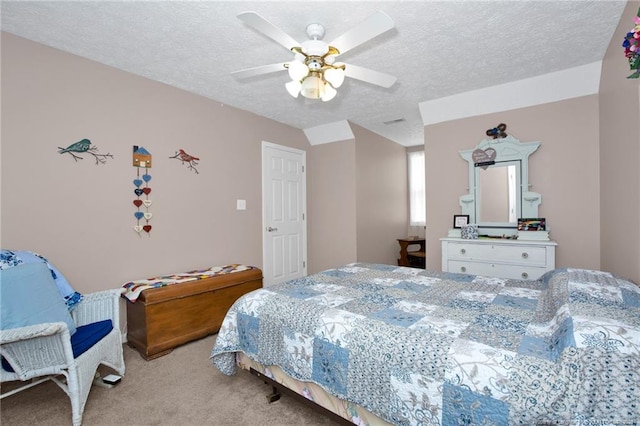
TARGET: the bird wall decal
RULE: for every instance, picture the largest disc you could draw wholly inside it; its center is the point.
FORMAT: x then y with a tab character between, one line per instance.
84	146
187	158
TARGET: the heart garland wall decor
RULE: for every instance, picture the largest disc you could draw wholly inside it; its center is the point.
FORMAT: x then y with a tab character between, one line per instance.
142	160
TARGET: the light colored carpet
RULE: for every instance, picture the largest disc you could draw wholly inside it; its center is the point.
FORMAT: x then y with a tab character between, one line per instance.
181	388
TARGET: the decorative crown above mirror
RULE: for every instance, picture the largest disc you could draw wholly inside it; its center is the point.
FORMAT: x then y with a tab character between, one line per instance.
499	185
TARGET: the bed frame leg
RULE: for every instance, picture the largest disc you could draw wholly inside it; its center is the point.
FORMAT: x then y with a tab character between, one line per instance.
279	389
274	395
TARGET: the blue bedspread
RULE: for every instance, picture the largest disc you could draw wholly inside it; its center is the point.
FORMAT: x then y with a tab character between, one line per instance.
422	347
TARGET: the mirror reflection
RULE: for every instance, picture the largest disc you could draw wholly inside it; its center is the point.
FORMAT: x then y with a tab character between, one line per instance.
497	193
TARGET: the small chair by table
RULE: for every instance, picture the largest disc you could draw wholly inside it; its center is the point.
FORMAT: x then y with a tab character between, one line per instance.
413	258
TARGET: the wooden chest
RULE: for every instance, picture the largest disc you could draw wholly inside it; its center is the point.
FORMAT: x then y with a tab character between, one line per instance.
166	317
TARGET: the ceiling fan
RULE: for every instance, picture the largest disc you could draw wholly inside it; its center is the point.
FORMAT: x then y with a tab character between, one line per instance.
314	71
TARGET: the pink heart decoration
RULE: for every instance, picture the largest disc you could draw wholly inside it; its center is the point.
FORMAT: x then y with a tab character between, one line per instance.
480	156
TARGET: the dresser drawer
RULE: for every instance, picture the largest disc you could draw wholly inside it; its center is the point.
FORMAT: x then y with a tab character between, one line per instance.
520	254
522	272
503	258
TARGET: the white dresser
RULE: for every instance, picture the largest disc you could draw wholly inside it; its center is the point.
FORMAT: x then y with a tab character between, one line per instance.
518	259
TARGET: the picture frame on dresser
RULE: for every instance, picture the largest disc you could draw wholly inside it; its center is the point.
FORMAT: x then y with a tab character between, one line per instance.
532	224
460	220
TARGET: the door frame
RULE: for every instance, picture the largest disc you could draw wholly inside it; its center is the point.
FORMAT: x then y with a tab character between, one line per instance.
265	247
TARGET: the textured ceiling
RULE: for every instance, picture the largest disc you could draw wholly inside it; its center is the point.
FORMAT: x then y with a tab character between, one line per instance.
437	49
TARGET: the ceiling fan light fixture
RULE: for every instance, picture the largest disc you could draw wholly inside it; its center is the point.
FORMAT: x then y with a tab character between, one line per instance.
329	93
297	70
314	71
335	76
314	48
329	59
312	87
293	87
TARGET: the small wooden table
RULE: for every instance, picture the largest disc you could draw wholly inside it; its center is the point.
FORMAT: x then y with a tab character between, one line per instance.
413	258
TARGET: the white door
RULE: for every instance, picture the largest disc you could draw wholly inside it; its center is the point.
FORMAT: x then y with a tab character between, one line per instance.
284	230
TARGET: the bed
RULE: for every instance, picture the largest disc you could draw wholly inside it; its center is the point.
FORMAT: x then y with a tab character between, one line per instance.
421	347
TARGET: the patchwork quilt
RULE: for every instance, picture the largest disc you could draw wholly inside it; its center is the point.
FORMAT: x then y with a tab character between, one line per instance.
420	347
132	289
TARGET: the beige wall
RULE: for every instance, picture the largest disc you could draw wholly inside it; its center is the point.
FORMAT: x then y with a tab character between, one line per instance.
80	214
381	194
357	201
332	205
565	170
620	157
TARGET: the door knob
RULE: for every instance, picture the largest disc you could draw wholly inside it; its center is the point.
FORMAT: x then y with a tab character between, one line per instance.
270	229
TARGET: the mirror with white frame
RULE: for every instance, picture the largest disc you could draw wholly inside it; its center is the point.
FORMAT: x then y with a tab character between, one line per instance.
497	192
499	186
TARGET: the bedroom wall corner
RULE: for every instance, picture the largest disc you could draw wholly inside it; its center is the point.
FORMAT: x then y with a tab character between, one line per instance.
381	196
331	204
620	157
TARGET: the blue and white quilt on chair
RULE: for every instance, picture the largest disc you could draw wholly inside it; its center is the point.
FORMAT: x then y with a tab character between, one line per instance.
420	347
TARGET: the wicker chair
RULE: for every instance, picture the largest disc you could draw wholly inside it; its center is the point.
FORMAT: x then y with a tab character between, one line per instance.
44	352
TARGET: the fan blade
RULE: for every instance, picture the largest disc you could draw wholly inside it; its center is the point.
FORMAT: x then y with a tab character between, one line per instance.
373	26
267	28
264	69
369	76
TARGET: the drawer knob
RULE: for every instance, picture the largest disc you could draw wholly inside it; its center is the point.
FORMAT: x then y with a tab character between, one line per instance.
525	255
463	251
525	275
463	269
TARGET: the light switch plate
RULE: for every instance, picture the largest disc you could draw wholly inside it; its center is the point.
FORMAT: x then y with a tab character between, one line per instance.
241	204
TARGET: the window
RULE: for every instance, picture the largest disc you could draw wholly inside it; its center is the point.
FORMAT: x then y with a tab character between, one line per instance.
417	197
